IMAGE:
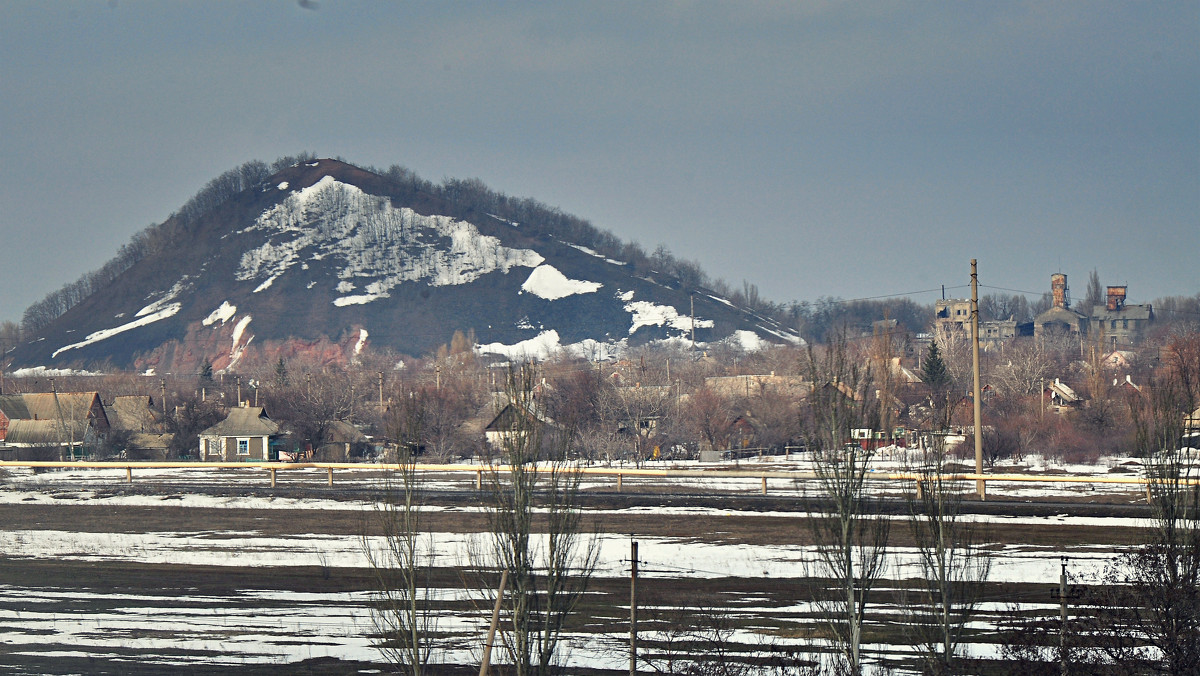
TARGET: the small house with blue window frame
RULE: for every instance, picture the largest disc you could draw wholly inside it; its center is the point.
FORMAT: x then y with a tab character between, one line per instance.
246	434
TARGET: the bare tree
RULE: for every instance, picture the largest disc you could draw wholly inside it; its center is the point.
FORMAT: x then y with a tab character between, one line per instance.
1165	571
1095	293
953	565
635	413
547	576
707	416
401	610
1022	368
851	534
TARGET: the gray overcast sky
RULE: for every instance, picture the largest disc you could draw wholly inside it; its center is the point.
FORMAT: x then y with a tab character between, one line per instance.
812	148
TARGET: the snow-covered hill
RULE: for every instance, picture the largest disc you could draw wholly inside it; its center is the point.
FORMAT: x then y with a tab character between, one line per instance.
325	259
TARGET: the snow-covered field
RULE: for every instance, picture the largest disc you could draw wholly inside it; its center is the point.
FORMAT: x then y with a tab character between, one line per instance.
265	626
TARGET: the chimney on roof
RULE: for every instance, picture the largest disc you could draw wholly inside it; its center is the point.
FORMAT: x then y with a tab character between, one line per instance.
1116	297
1058	288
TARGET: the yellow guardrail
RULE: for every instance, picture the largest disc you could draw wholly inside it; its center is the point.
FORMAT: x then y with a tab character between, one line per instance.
620	473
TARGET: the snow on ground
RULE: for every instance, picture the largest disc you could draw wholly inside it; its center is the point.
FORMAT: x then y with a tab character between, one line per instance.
547	282
239	348
362	341
266	284
596	254
540	347
222	314
664	557
168	311
646	313
159	304
43	372
749	341
273	627
546	345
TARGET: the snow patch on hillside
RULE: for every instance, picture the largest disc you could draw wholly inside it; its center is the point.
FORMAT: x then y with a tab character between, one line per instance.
168	311
547	344
266	284
221	314
43	372
646	313
749	341
373	242
594	253
547	282
539	347
169	296
362	341
239	348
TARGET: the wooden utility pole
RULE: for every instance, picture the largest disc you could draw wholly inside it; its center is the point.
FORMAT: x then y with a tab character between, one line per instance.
381	393
1062	616
633	571
692	315
979	485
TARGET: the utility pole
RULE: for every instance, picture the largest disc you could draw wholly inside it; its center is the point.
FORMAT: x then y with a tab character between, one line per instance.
633	571
1062	616
381	393
162	389
692	314
979	484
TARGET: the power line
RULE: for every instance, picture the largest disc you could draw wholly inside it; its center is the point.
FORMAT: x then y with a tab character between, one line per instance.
839	301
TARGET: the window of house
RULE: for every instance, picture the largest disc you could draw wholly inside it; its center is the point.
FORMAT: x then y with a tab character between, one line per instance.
1124	323
243	447
1113	324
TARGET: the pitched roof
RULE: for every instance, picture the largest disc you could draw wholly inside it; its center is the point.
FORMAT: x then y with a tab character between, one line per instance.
244	421
341	432
1139	312
1063	391
44	432
46	405
13	407
132	412
150	441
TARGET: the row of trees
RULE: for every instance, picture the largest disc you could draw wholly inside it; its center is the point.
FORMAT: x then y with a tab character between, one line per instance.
664	402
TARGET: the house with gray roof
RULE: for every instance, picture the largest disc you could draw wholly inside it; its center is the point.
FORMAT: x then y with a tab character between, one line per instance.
246	434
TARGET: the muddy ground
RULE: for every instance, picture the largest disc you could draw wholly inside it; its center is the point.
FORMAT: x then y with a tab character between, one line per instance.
701	608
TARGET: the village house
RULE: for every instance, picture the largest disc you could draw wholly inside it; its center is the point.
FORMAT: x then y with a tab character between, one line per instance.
246	434
518	418
45	419
1061	397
